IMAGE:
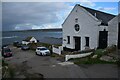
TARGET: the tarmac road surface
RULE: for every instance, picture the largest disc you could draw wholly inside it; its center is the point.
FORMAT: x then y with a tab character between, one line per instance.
52	68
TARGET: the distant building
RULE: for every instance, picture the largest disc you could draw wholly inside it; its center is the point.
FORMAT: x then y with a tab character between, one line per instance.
29	40
86	28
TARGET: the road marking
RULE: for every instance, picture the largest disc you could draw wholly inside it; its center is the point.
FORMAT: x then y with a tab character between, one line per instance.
66	63
53	65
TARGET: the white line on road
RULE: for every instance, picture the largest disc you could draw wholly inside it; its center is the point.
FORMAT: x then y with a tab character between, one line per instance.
66	63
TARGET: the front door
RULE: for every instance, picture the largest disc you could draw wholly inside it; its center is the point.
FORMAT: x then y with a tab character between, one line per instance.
77	43
103	39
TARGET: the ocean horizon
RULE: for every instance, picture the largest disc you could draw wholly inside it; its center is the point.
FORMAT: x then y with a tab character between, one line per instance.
47	36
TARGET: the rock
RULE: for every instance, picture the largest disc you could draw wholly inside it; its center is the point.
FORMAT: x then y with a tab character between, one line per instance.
94	56
106	58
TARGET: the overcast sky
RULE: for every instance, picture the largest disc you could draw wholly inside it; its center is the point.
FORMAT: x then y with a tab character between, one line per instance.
41	15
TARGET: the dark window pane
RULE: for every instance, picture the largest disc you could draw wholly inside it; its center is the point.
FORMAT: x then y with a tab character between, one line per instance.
87	41
68	37
76	20
77	27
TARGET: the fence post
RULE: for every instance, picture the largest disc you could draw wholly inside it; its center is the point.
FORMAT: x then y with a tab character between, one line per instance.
66	57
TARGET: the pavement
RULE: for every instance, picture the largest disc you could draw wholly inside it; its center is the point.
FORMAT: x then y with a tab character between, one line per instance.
52	68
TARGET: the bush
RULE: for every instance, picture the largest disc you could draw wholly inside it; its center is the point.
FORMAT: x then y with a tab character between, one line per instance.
44	44
32	46
54	55
118	62
99	52
93	61
4	63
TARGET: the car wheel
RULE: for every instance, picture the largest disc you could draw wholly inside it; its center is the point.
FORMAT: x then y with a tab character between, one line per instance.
40	54
11	55
36	53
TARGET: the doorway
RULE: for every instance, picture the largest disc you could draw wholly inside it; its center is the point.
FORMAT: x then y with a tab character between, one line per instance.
77	43
103	39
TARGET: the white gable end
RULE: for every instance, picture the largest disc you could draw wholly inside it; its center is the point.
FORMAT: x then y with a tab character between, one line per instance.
113	31
33	40
88	28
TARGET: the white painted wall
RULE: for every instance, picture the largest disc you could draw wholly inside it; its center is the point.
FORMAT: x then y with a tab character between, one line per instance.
113	31
101	28
56	50
67	57
33	39
24	42
88	28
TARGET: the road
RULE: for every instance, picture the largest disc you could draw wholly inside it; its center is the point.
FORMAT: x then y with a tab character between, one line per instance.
52	68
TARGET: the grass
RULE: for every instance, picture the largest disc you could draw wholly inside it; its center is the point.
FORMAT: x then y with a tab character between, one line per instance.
44	44
7	70
54	55
11	71
99	53
92	61
34	45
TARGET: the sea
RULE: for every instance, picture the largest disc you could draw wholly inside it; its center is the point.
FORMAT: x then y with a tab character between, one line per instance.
51	37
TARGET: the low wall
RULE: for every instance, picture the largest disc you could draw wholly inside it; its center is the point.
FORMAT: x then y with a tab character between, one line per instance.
67	57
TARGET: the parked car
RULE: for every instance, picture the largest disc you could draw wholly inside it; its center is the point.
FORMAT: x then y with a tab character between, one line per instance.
4	46
17	44
6	52
42	51
25	47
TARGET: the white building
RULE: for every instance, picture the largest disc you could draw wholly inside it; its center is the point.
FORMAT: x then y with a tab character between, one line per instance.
29	40
113	31
86	28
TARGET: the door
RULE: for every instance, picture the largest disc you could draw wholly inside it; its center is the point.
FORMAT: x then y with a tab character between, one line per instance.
119	36
103	39
77	43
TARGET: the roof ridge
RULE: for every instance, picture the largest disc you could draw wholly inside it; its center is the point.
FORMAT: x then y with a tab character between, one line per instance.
97	10
103	16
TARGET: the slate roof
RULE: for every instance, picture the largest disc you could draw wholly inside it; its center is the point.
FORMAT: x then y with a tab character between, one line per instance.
105	17
27	39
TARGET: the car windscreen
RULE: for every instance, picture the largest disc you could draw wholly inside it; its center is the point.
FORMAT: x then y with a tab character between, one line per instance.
42	49
25	46
7	50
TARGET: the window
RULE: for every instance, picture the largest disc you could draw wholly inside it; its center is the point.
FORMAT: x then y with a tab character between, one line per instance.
76	20
77	27
87	41
68	37
76	10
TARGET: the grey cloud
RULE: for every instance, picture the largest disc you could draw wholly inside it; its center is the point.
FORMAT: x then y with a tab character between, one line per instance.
38	13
